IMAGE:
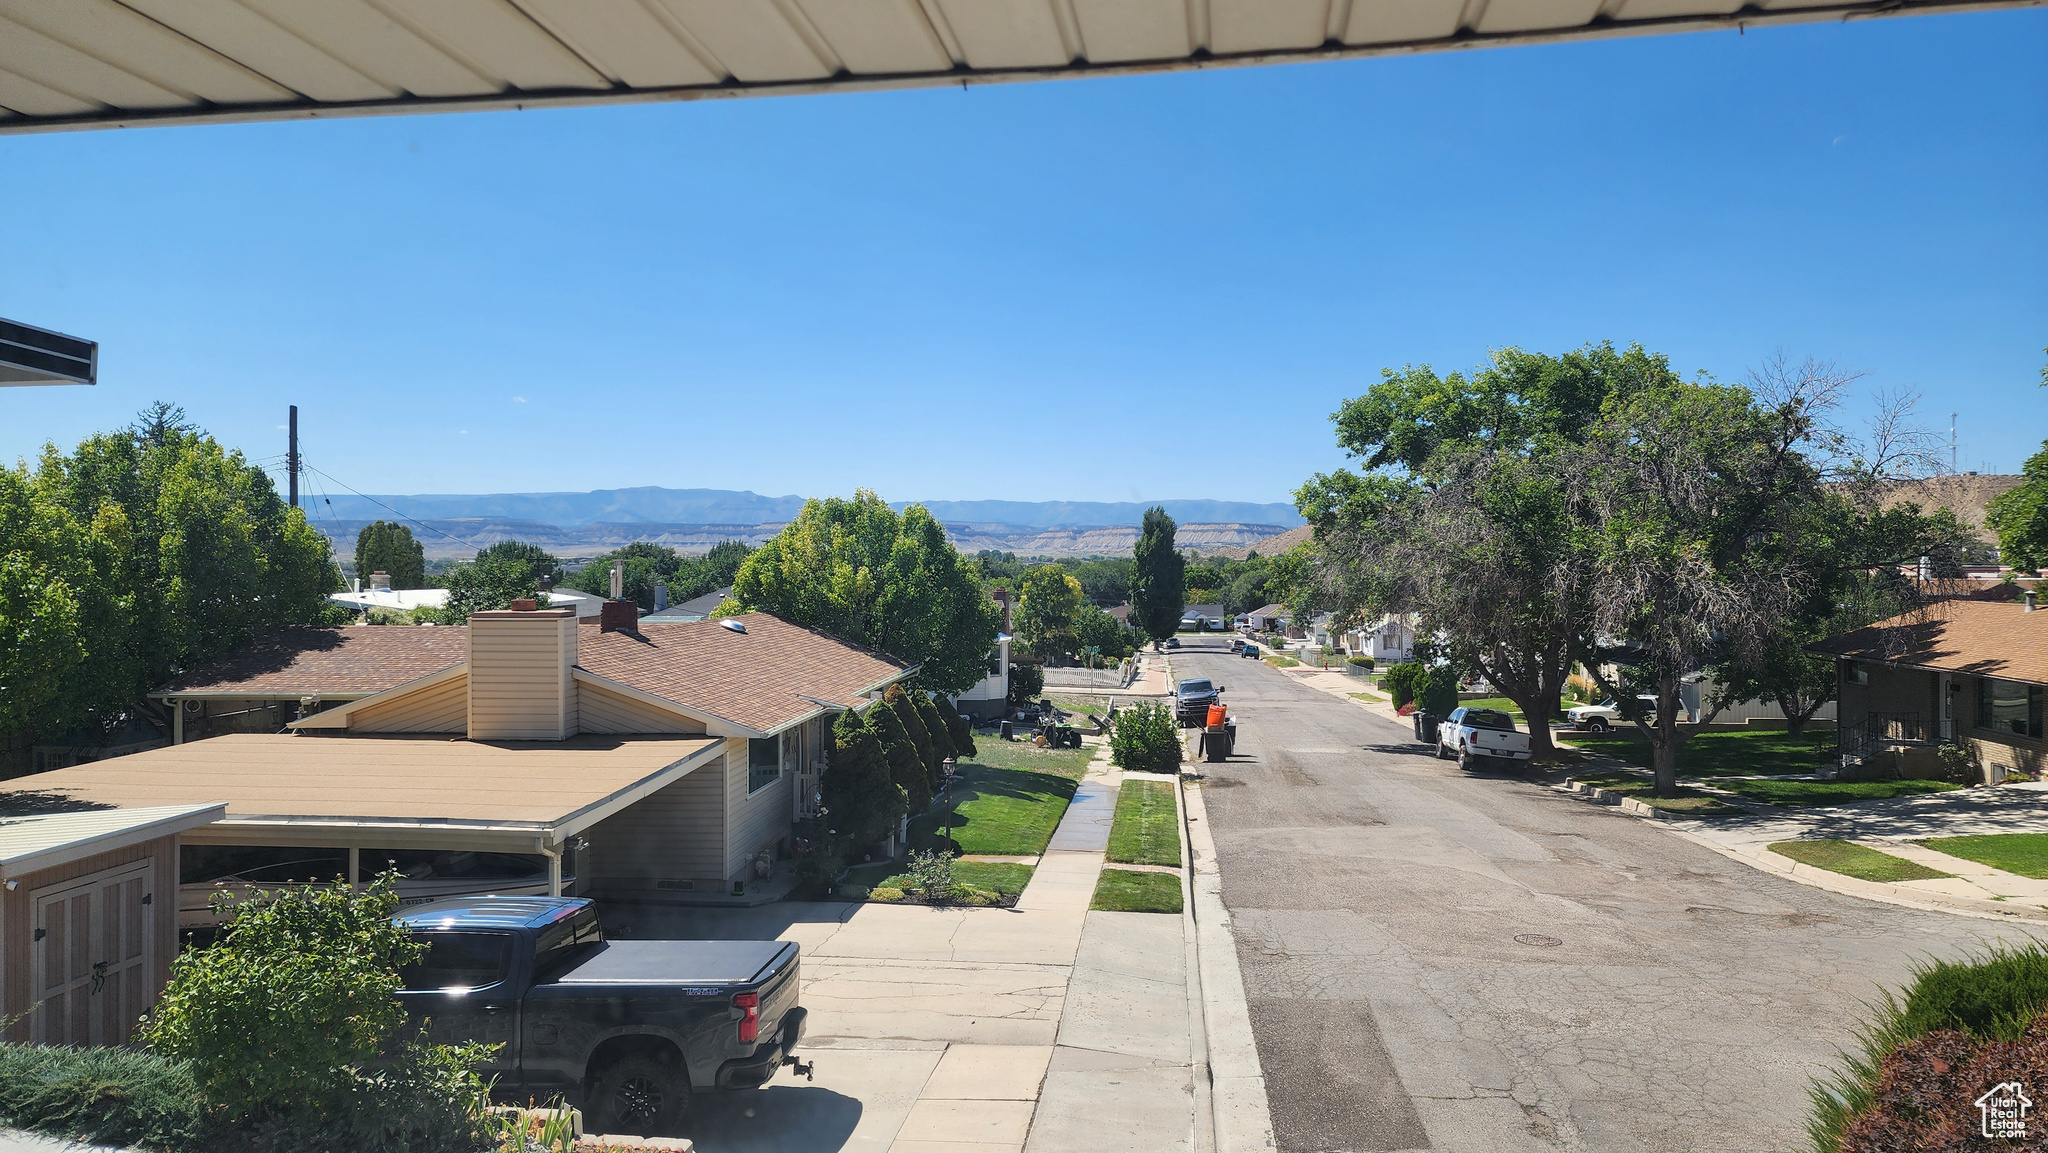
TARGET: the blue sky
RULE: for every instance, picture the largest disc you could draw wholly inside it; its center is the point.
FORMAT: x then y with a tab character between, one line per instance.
1118	289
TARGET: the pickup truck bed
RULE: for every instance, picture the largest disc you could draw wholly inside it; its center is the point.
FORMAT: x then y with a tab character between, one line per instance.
677	963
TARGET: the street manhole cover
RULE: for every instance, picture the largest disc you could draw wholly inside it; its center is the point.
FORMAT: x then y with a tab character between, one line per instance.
1538	940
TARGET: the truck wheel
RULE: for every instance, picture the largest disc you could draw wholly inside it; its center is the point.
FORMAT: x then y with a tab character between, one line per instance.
640	1096
1466	760
1441	755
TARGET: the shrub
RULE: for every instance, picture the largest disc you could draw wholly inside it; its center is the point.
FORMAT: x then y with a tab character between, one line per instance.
110	1096
935	726
927	752
905	766
291	1025
1953	1016
1145	739
1027	681
957	727
862	800
1359	663
1400	681
1437	691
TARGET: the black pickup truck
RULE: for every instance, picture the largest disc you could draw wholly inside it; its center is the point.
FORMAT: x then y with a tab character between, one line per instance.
626	1029
1192	698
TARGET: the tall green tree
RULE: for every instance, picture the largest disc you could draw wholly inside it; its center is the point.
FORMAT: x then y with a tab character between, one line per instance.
643	565
859	570
900	700
1047	601
1462	514
1158	573
152	550
532	560
497	577
389	547
936	728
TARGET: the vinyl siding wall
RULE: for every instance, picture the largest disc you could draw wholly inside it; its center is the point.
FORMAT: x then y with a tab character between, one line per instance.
758	820
600	710
442	708
17	920
519	677
675	835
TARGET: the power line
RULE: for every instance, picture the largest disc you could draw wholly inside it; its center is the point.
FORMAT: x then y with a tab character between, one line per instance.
304	467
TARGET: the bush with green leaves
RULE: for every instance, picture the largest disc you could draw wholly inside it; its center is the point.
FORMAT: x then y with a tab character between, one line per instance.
293	1031
1027	681
935	727
958	727
905	704
103	1095
863	802
1145	739
1437	691
900	751
1914	1056
1400	681
1359	663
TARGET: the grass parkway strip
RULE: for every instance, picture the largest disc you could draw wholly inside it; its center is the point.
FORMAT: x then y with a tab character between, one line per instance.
1147	827
1853	860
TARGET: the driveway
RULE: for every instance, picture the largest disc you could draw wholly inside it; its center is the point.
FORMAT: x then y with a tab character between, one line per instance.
1442	961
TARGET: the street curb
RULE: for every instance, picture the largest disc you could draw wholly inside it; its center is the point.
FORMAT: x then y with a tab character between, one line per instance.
1767	861
1198	1029
1237	1084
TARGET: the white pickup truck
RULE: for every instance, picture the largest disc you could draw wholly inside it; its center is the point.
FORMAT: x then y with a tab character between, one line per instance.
1470	734
1607	714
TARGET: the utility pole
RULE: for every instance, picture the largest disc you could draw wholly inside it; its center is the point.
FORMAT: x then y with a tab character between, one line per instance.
291	457
1952	466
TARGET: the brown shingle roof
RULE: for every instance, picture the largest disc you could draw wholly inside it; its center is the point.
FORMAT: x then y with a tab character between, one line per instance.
1981	638
354	661
758	678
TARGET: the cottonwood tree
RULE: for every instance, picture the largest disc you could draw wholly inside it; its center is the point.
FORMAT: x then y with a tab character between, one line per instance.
859	570
1464	516
1701	504
1158	591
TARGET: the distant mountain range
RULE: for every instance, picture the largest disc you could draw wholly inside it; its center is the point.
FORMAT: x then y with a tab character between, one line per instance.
712	506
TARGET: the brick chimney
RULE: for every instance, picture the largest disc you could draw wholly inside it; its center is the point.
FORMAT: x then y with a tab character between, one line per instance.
520	684
618	617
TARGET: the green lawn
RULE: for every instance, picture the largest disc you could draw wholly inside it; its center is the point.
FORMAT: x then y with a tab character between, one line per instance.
1501	703
1852	860
1688	801
1366	696
996	753
1278	661
1761	753
1128	891
1147	827
1007	879
2022	853
1782	791
1008	812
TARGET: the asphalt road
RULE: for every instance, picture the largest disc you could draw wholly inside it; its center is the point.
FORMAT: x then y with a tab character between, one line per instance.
1442	961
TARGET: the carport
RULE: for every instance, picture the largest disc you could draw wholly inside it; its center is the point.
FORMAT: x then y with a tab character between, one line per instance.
342	801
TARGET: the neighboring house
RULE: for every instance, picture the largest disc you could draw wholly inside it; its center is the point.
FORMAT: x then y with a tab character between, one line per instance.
87	924
986	699
631	762
1204	613
1269	619
1966	671
694	609
1121	612
1390	640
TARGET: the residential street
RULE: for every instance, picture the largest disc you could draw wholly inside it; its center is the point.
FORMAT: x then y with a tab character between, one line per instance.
1442	961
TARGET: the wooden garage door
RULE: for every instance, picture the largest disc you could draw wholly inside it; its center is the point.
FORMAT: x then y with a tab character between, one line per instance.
91	954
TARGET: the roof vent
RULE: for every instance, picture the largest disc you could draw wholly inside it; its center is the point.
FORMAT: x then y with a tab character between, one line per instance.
733	625
2033	600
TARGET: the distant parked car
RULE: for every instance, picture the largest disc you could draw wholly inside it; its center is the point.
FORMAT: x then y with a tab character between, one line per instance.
1249	651
1607	714
1173	642
1236	644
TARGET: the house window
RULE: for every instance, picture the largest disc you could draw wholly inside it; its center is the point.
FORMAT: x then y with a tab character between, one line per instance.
1855	673
2009	707
764	763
